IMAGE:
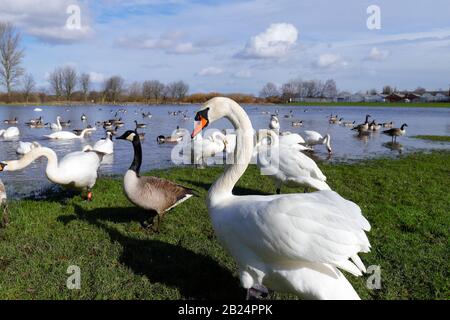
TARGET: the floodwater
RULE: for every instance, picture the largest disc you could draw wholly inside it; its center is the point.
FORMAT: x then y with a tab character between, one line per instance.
347	145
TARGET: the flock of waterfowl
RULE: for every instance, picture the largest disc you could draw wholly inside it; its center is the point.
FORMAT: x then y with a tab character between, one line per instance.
296	243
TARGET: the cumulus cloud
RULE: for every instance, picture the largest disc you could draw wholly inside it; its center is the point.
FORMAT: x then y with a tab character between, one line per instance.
329	60
48	20
377	54
275	42
210	71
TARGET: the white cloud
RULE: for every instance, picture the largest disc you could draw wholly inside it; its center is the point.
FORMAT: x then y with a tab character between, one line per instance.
330	60
275	42
243	74
46	20
97	77
210	71
377	54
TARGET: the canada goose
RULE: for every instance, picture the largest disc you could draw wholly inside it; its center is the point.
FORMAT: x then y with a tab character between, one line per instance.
297	123
396	132
333	119
364	126
294	243
139	125
3	206
11	132
388	124
33	121
105	145
83	117
11	121
146	115
150	193
373	126
76	170
313	138
25	147
348	123
290	115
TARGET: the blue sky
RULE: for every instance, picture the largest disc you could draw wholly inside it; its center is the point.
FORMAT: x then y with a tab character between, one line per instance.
237	46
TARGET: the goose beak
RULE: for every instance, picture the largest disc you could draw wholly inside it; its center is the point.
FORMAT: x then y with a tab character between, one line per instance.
2	166
202	123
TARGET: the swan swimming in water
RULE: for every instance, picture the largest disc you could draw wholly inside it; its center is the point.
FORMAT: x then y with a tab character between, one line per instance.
67	135
293	243
76	170
11	132
105	145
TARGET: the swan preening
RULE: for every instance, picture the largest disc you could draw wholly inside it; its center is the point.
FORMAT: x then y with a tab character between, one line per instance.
67	135
292	243
76	170
313	138
150	193
25	147
11	132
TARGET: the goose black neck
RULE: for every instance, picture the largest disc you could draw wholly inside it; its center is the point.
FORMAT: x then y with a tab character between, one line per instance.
137	161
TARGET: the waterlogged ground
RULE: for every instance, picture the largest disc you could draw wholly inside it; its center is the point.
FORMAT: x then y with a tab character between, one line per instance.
347	146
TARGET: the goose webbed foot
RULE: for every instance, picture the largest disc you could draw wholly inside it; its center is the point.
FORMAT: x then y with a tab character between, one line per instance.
152	224
257	292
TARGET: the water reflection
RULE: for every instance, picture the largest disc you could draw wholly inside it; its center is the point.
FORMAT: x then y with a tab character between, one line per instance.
394	146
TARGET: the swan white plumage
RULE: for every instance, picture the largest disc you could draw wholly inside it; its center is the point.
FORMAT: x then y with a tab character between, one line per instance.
274	123
57	125
288	165
105	145
67	135
207	147
76	170
10	132
313	138
4	212
292	243
25	147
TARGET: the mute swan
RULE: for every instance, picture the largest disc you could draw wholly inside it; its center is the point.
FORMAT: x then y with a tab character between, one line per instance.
150	193
105	145
25	147
57	125
9	133
292	243
274	123
313	138
67	135
287	165
290	139
204	148
76	170
3	206
396	132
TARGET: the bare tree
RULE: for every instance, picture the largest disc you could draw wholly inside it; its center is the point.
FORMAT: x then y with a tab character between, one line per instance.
329	89
289	90
178	90
56	82
420	90
85	84
387	90
270	90
69	81
113	88
134	91
11	56
28	86
152	89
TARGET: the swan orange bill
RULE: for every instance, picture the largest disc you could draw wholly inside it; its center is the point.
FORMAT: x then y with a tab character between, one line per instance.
199	126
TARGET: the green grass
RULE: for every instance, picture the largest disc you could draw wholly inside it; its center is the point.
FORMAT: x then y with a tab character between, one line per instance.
405	200
434	138
373	104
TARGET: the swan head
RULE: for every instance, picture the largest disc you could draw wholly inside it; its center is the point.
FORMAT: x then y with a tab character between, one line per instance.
129	135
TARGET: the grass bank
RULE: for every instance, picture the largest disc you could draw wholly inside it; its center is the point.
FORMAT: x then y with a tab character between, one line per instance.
372	104
405	200
433	138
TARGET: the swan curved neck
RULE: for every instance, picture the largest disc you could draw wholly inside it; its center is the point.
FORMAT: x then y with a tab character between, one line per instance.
36	153
223	186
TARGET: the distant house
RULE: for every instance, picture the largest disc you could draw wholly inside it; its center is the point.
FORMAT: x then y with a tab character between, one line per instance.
395	97
427	97
441	97
357	97
375	98
344	97
412	97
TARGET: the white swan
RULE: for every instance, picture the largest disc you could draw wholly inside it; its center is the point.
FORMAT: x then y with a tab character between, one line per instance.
290	243
274	123
4	212
57	125
67	135
314	138
105	145
76	170
10	132
204	148
25	147
288	165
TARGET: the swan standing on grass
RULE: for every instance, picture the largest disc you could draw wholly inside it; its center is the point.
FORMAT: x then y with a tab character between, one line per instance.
11	132
105	145
289	166
67	135
76	170
293	243
313	138
150	193
25	147
3	206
